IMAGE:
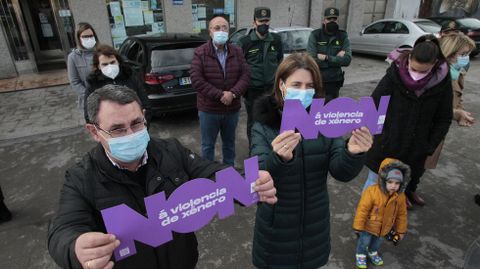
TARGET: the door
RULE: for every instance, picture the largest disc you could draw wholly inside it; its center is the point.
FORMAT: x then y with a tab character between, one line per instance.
374	10
49	42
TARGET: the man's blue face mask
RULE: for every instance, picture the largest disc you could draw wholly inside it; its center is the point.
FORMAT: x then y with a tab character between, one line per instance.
129	148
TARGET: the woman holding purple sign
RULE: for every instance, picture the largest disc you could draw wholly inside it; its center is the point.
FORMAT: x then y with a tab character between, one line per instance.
296	231
419	113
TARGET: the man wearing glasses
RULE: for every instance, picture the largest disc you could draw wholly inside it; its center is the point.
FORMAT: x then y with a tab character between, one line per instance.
125	167
220	76
263	52
330	48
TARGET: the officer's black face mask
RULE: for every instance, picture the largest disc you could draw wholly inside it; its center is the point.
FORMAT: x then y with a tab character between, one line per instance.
262	29
331	27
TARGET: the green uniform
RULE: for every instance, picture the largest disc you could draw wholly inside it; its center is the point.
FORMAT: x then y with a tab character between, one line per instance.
263	56
320	42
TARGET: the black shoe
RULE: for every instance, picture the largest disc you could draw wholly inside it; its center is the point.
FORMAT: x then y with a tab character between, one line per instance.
477	199
5	214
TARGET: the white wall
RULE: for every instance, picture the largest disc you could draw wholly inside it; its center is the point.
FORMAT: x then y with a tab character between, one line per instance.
406	9
283	12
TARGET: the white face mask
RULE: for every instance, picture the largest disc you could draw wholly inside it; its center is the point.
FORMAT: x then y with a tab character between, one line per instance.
111	70
88	42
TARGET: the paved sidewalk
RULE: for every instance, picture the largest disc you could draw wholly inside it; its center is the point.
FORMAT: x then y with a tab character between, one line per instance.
39	111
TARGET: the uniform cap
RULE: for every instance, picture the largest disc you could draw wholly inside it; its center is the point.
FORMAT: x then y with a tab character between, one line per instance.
331	12
261	13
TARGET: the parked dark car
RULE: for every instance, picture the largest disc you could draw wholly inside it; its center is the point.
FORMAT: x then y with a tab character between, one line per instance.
470	26
163	63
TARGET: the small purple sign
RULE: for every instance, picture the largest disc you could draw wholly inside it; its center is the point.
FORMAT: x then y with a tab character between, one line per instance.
336	118
190	207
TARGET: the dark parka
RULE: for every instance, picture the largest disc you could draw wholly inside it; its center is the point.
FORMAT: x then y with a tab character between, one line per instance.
414	125
95	184
209	81
295	232
263	56
331	45
126	77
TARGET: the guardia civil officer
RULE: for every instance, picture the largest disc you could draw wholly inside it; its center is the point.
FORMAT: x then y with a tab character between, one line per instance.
263	51
330	48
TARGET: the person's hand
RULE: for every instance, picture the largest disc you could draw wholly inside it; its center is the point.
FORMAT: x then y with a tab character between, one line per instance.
227	98
284	144
94	250
360	141
465	118
265	188
401	236
322	57
341	53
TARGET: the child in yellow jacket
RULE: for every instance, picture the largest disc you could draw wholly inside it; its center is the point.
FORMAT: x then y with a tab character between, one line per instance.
382	207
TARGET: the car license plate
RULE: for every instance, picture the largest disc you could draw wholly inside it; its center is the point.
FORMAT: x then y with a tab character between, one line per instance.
185	81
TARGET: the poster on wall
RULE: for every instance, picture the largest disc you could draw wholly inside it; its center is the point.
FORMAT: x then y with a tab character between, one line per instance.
131	4
133	16
115	9
177	2
202	12
158	27
229	6
148	16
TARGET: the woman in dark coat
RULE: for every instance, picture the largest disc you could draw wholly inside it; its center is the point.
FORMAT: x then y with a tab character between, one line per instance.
108	68
419	113
295	233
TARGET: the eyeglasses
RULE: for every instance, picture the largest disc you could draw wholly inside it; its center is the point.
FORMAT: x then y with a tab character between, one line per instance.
220	27
87	36
119	132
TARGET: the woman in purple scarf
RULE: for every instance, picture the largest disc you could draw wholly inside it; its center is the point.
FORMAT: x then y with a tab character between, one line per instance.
419	112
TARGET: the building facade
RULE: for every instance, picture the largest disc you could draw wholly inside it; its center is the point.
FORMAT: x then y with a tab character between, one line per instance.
37	35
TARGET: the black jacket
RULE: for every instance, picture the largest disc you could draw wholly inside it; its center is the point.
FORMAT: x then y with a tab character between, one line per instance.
295	232
125	77
414	126
95	184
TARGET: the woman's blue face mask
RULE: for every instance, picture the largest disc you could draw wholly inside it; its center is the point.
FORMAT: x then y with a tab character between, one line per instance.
304	95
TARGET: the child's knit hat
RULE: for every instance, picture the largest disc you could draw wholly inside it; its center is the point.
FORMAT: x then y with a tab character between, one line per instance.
395	174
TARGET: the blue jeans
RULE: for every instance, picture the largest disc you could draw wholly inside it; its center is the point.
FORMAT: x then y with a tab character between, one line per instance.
210	125
371	180
368	242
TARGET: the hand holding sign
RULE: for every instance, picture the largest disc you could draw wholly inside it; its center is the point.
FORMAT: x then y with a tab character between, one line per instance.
94	250
265	188
360	141
284	144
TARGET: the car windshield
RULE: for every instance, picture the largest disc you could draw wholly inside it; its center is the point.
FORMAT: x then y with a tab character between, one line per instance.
428	26
470	23
171	59
294	40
